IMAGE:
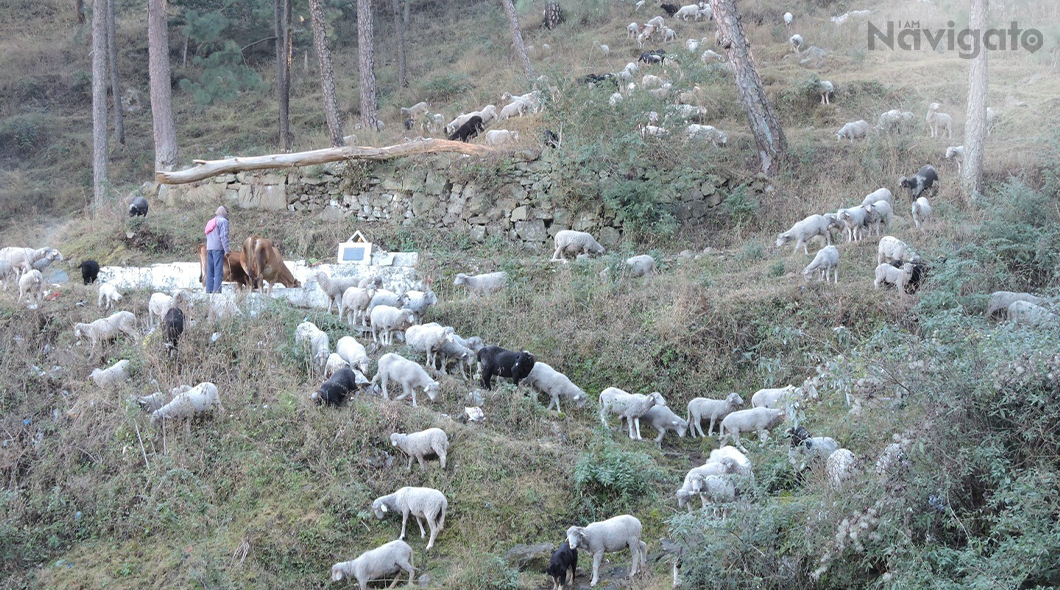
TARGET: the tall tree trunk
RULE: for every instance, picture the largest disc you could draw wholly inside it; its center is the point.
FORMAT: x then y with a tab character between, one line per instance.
161	87
115	81
975	125
366	64
772	145
282	10
405	18
99	100
79	8
517	39
399	26
327	75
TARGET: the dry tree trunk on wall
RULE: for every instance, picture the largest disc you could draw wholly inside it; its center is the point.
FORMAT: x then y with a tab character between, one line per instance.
327	75
99	100
399	26
366	65
975	126
115	81
772	145
517	39
165	131
282	17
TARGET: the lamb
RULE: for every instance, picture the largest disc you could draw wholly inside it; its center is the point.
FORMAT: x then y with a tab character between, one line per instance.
406	373
826	89
956	153
335	362
316	340
854	220
108	328
640	266
353	353
198	400
112	377
840	466
924	179
631	31
465	357
385	297
428	339
562	566
494	360
630	406
419	445
160	303
916	275
344	382
707	133
386	320
575	242
614	534
921	211
826	261
854	130
556	385
381	562
497	137
935	119
755	419
769	398
355	302
880	214
89	271
32	284
484	284
894	120
1001	300
887	274
1029	314
415	110
662	419
804	231
427	503
880	194
686	11
138	207
108	293
700	408
335	287
891	248
796	43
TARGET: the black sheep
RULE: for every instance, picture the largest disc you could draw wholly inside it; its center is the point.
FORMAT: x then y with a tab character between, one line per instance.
655	56
798	435
551	139
924	179
593	79
562	566
469	129
670	8
173	324
494	360
333	391
409	123
919	271
138	207
89	271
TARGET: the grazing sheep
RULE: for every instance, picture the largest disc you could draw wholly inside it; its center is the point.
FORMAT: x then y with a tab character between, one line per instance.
108	293
886	274
483	284
796	43
891	248
809	451
415	110
108	328
614	534
685	11
1001	300
158	399
662	419
714	489
385	297
935	119
840	466
826	89
383	561
574	243
826	261
372	281
355	301
353	353
316	341
853	130
741	465
465	357
469	129
880	194
160	303
386	320
924	179
334	287
32	284
497	137
804	231
641	266
755	419
23	260
198	400
428	339
921	211
1029	314
112	377
630	406
427	503
854	219
700	408
956	153
894	120
407	374
344	382
335	362
710	56
173	327
769	398
89	271
880	214
693	483
556	385
494	360
788	17
420	445
653	130
419	302
138	207
915	278
709	133
562	566
991	119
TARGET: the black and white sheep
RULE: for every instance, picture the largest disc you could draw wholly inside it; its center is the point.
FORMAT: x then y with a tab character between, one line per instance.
701	408
334	391
562	566
469	129
575	242
494	360
389	559
609	536
138	207
421	503
556	385
420	445
406	373
924	179
89	271
483	284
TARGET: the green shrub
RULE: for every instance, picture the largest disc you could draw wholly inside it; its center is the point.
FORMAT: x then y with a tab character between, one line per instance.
224	76
612	481
445	87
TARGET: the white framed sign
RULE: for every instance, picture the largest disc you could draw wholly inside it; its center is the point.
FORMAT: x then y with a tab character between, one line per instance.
356	250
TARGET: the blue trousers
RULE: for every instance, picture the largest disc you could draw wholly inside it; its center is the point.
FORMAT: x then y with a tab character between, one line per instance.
215	268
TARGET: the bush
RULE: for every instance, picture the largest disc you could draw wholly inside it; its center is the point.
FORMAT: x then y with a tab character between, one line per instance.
612	481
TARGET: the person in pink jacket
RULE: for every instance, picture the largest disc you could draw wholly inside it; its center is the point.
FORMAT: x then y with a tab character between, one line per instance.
216	249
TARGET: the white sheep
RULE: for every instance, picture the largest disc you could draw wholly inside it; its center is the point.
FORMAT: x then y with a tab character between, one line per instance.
707	133
316	341
516	108
655	21
894	120
385	297
575	242
840	466
23	260
796	43
693	482
935	120
854	221
613	534
879	215
335	362
483	284
381	562
686	11
640	266
198	400
853	130
825	262
804	231
556	385
956	153
886	274
771	397
108	328
419	445
631	31
714	489
653	130
160	303
1001	300
335	287
428	339
6	272
921	211
112	377
705	11
497	137
108	292
826	89
386	320
464	356
691	45
811	452
741	464
355	302
415	110
631	406
788	17
426	503
615	99
755	419
991	119
711	56
1029	314
880	194
891	248
31	283
408	374
353	353
701	408
663	419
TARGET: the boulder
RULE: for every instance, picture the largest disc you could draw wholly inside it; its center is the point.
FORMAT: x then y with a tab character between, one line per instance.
530	557
531	231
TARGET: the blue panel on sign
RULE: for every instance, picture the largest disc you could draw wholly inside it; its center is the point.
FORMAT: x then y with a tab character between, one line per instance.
353	253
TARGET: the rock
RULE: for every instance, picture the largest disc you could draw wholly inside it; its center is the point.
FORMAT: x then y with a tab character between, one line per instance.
435	183
424	580
686	254
206	192
531	231
813	58
270	197
519	213
530	557
714	199
585	220
609	237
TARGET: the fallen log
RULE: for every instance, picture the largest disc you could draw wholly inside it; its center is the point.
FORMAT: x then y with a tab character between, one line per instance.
208	168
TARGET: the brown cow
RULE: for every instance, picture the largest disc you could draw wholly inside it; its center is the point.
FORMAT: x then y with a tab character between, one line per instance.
233	268
262	262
